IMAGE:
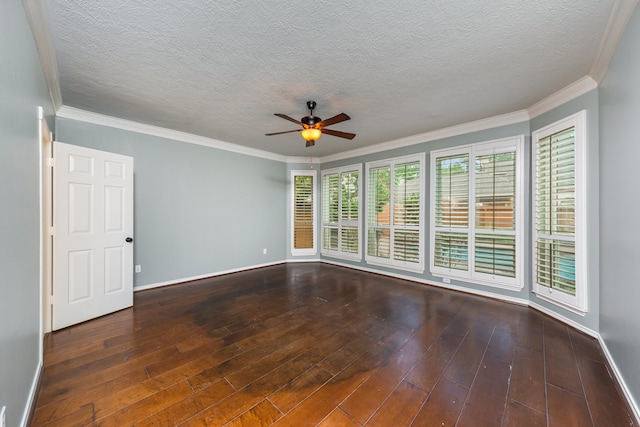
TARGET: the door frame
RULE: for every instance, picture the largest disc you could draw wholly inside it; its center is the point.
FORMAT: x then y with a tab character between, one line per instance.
45	149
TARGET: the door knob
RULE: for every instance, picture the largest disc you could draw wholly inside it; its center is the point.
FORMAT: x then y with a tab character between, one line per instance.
128	240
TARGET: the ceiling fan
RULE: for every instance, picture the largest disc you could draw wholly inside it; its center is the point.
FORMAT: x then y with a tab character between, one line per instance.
313	127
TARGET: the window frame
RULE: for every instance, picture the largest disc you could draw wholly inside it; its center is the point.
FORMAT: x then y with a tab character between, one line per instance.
314	175
341	223
577	303
475	150
391	262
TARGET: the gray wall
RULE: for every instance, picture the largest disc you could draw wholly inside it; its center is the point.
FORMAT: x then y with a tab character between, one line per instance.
22	90
620	207
198	210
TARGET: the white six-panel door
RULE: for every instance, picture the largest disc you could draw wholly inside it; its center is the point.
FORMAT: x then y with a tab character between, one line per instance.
93	232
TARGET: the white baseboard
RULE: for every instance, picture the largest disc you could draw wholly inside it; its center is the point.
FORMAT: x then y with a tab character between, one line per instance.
32	395
203	276
619	378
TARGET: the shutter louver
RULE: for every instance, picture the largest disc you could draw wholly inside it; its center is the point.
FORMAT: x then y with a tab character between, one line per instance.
555	211
495	191
452	212
303	213
379	215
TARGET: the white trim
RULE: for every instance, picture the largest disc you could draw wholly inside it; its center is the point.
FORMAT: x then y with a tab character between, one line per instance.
450	287
31	400
390	262
309	251
564	95
203	276
623	385
339	253
577	303
618	20
475	126
37	17
563	319
114	122
310	160
473	150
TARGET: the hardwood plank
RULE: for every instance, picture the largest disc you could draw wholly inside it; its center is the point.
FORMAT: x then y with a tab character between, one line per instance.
370	395
443	406
300	388
487	398
560	362
263	414
401	407
145	407
464	364
316	344
519	415
186	408
605	403
567	409
430	368
527	379
337	418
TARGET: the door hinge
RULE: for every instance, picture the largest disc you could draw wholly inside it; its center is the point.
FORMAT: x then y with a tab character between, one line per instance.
50	162
51	299
51	230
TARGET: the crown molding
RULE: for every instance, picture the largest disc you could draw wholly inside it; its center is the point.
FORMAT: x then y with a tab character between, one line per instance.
37	17
311	160
618	19
564	95
114	122
475	126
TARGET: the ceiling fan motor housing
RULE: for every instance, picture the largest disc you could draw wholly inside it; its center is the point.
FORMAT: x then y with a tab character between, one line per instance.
310	120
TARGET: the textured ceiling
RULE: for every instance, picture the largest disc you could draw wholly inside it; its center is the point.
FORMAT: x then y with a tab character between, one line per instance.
220	69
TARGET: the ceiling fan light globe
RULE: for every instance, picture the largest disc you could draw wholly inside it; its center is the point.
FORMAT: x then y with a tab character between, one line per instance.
311	134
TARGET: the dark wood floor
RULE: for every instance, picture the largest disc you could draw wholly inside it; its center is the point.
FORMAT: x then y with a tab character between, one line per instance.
314	344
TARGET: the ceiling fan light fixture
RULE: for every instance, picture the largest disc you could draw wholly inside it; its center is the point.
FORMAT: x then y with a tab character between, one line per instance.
311	134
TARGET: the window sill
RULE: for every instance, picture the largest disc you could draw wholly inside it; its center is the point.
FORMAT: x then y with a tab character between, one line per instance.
517	287
569	307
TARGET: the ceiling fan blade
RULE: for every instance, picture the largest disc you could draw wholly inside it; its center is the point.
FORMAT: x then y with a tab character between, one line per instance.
284	116
337	133
280	133
333	120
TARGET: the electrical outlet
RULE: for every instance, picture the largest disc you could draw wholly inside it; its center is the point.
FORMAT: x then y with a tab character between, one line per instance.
446	280
264	251
138	268
3	417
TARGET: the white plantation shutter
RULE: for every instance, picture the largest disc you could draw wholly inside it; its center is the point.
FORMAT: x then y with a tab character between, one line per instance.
495	214
303	213
341	212
330	206
452	212
394	213
475	216
555	211
559	213
350	211
378	212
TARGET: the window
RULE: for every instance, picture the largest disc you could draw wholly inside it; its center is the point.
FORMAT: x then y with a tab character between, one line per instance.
476	214
303	239
341	212
395	199
559	244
